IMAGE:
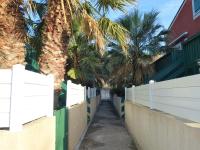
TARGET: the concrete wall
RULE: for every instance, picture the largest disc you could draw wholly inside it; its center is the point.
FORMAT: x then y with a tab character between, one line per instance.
94	103
77	124
117	102
154	130
36	135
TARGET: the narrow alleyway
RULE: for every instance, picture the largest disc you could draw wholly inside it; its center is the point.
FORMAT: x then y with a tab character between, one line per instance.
107	132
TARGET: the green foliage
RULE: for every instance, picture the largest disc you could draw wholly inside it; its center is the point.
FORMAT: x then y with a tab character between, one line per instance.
106	5
31	59
84	61
114	31
34	27
95	24
146	35
73	73
146	39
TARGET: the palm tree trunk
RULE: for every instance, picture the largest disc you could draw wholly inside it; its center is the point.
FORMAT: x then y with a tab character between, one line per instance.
55	40
12	34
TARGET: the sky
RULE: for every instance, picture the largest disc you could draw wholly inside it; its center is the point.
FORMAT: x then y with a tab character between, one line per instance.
167	9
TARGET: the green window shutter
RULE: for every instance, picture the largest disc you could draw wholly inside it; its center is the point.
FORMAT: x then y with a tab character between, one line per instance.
196	6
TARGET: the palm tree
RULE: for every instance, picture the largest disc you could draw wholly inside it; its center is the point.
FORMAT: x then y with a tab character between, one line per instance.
83	60
84	63
146	39
55	39
57	31
12	34
83	66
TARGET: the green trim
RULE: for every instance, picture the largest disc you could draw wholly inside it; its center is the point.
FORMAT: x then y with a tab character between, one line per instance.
191	55
122	108
88	119
123	116
122	100
61	129
88	112
88	109
88	100
63	94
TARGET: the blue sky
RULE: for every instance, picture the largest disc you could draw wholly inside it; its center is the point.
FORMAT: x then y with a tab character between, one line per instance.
167	9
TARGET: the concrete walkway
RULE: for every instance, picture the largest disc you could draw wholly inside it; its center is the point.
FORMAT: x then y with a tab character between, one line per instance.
107	132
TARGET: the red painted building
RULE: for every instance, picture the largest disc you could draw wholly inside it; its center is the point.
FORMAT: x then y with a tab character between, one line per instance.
184	38
186	23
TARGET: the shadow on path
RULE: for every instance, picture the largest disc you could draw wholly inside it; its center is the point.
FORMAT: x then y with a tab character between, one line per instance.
107	132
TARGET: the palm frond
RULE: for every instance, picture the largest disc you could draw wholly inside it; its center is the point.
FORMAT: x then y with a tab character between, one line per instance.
105	5
93	31
145	38
114	31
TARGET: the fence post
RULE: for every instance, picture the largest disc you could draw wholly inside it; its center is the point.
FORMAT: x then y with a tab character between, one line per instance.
50	100
89	92
92	92
133	94
95	92
85	93
69	92
125	93
151	83
17	97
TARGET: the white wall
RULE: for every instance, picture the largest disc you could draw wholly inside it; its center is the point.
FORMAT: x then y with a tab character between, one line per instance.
24	96
179	97
130	93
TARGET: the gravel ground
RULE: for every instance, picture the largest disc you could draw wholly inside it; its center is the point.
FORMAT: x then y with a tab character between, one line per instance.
107	132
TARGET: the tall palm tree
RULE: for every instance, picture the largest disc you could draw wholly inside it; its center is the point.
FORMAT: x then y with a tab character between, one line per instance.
55	35
57	32
12	34
84	63
146	39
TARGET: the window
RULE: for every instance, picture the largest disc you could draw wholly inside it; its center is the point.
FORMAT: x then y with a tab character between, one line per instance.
196	8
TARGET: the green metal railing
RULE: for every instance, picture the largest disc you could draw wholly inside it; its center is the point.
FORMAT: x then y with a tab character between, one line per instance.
123	107
174	70
192	54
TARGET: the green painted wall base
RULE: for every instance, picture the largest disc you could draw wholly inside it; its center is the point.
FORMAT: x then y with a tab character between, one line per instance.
61	129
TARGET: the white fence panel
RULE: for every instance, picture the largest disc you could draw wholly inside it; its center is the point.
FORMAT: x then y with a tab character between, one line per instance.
5	90
130	93
142	95
75	94
88	92
36	92
179	97
91	92
24	96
